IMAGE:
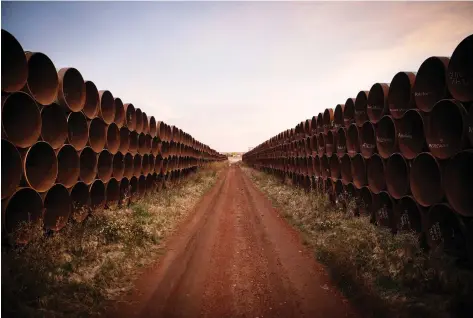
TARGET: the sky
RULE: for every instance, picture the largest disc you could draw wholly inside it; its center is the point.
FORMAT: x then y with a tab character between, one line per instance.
233	74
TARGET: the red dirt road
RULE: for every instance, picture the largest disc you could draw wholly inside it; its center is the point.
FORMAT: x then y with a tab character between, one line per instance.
235	257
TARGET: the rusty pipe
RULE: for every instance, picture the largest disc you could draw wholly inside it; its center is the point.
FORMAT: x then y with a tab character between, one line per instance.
321	144
88	165
329	140
71	89
460	71
42	83
142	144
353	140
97	195
145	123
124	140
128	166
80	199
112	193
431	83
124	191
457	182
141	186
341	142
77	130
21	119
40	166
118	166
152	163
133	145
408	215
325	167
361	105
130	116
139	120
313	126
386	137
345	169
328	120
426	179
14	64
367	139
113	138
11	168
383	210
375	172
349	112
334	165
106	107
133	188
338	117
410	134
152	126
161	131
397	176
54	128
97	134
68	166
57	208
150	184
137	162
365	201
358	171
145	164
92	100
320	123
105	165
401	94
119	113
156	146
446	129
377	103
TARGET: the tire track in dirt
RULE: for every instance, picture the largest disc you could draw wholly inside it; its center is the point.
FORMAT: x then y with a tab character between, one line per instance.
236	257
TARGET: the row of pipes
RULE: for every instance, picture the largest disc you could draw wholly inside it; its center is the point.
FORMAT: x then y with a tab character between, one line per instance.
402	151
68	148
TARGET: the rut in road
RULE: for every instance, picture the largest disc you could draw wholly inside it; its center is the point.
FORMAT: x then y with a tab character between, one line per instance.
235	257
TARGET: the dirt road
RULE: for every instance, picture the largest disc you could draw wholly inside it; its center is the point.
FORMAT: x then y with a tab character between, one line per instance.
235	257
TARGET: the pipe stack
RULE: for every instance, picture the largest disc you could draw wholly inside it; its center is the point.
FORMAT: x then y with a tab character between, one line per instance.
403	151
69	148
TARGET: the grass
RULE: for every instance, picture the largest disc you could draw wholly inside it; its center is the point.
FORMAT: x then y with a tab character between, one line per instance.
76	271
384	275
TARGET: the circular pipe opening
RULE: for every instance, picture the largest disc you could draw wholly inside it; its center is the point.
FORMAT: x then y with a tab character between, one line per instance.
130	116
352	140
71	93
458	183
341	142
14	64
401	94
152	126
145	164
358	171
431	83
124	140
345	169
92	100
446	128
460	71
133	188
40	167
329	143
338	118
410	134
97	195
133	144
361	104
334	167
365	201
384	210
142	144
320	123
11	168
106	107
349	112
80	199
426	180
57	208
386	139
42	80
97	134
112	193
321	144
128	166
118	166
24	206
119	113
105	166
152	161
328	120
150	184
376	174
137	162
377	103
408	215
139	120
367	140
77	130
54	128
21	119
68	166
113	138
124	191
145	123
325	167
88	165
397	176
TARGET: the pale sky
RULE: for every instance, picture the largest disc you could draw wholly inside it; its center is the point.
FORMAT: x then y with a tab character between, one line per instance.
235	74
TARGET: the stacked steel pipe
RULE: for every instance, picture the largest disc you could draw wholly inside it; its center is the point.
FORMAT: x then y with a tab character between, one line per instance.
68	148
403	151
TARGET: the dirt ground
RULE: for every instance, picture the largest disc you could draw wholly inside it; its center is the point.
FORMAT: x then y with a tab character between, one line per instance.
235	257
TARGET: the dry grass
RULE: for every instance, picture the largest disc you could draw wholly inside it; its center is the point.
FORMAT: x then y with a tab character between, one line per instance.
74	273
384	275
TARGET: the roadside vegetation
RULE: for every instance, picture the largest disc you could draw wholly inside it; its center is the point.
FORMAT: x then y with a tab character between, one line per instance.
384	275
75	272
